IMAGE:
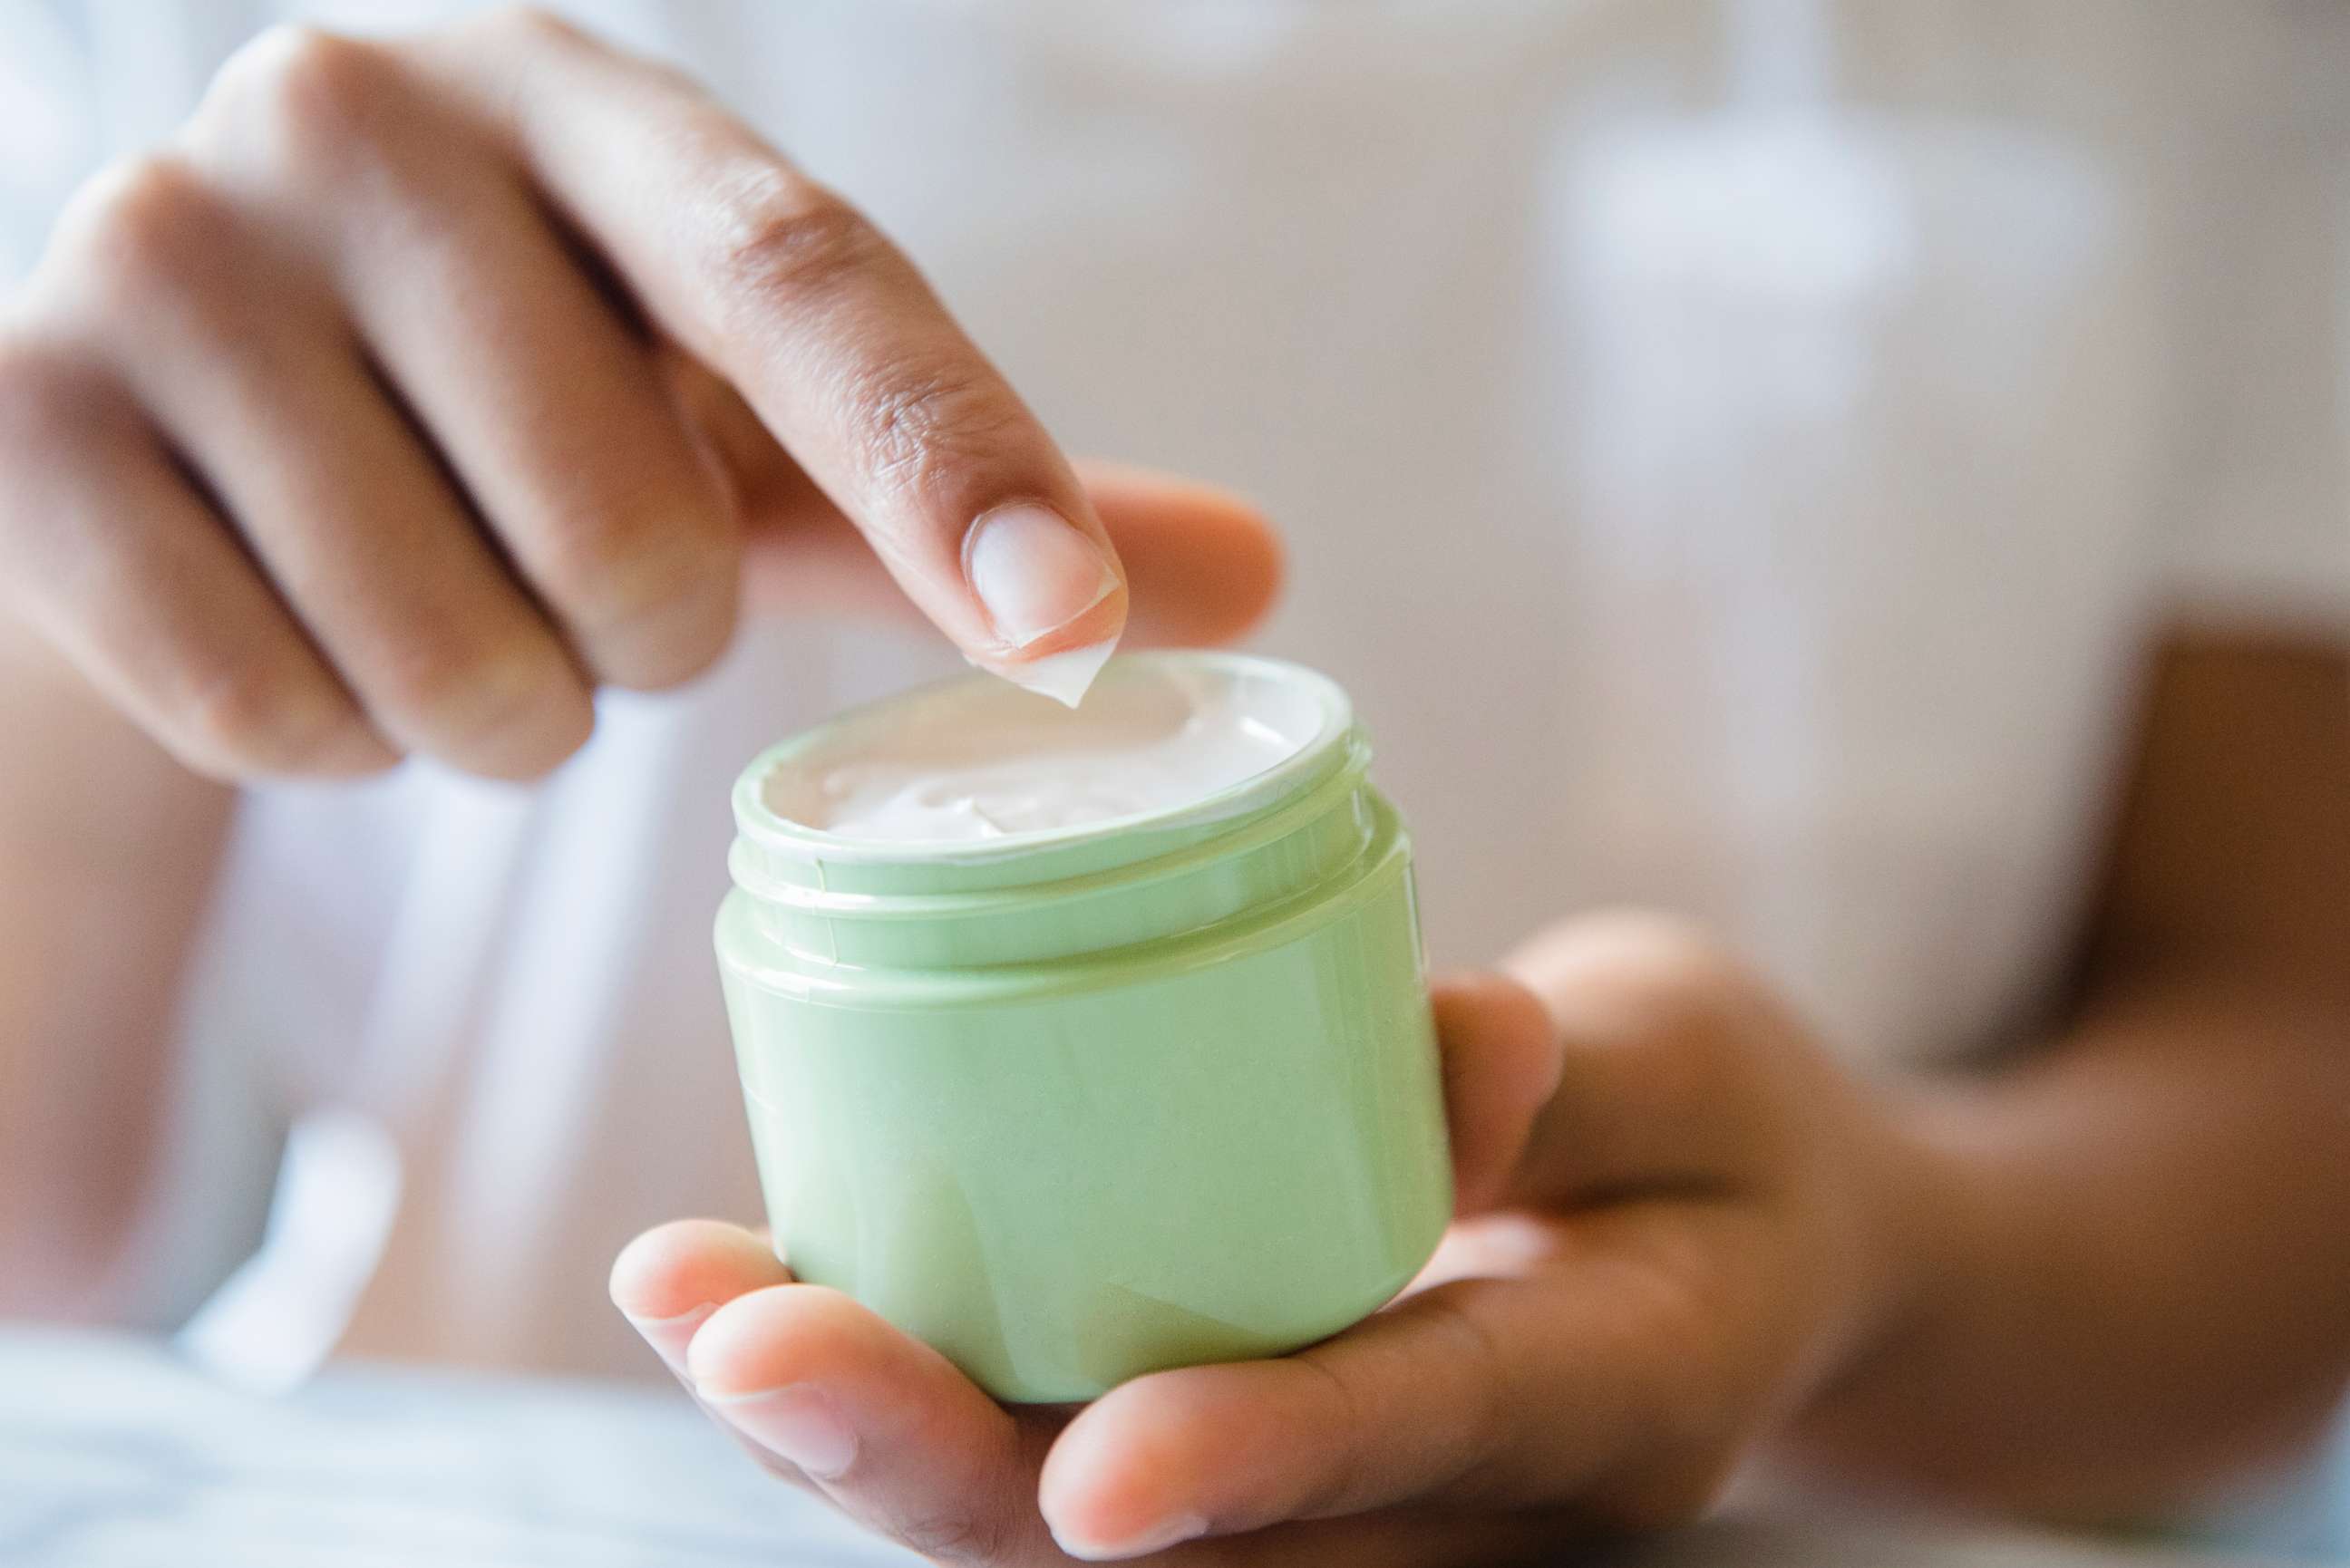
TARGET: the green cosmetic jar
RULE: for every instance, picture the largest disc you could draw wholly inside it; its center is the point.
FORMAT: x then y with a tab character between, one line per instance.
1082	1103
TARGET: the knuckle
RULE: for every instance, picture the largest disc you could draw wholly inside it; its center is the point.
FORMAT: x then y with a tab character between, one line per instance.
313	96
1668	967
922	415
922	425
524	36
305	70
1487	1375
1337	1407
526	24
785	240
30	390
957	1536
148	226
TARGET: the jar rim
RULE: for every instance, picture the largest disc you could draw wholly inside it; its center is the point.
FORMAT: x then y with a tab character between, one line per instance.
1321	751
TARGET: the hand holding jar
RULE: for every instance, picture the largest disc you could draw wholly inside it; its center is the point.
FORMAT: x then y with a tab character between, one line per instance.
1677	1223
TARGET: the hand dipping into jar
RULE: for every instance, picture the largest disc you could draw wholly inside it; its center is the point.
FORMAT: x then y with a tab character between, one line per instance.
1083	1043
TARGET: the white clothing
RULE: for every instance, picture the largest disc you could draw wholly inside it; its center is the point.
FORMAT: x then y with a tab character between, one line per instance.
1715	495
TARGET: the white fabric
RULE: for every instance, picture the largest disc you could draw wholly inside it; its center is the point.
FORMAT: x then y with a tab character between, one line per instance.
1712	496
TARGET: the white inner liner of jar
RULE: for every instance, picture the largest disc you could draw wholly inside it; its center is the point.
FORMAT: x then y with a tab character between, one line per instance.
980	760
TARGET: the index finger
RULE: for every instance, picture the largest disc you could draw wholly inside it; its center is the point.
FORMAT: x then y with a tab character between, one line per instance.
831	335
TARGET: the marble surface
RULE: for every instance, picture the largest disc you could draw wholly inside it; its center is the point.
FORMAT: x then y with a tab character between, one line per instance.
114	1454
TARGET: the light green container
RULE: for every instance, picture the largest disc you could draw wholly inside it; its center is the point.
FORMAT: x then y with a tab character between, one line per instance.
1077	1105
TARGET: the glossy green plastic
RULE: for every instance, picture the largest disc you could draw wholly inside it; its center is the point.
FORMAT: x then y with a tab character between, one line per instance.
1078	1105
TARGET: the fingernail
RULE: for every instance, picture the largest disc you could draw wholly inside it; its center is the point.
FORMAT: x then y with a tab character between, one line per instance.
1034	570
668	1337
1064	677
1156	1537
798	1423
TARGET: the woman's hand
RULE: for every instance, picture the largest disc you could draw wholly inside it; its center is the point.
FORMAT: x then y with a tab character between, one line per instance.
1676	1223
417	387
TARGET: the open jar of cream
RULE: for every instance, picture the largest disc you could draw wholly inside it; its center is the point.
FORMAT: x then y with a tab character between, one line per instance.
1085	1043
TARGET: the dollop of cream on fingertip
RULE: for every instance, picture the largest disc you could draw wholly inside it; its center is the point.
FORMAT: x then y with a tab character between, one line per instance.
1036	574
1064	676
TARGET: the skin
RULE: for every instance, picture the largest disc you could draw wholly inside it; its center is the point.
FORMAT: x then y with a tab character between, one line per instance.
299	483
411	391
110	846
2079	1286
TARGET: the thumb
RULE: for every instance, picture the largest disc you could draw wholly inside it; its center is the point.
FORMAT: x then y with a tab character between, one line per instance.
1501	1063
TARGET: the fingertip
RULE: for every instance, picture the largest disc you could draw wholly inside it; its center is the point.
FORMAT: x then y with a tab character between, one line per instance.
1501	1063
780	1335
358	752
1256	560
352	751
1205	564
521	720
1052	591
675	640
1251	566
1122	1478
1487	1001
1065	676
688	1264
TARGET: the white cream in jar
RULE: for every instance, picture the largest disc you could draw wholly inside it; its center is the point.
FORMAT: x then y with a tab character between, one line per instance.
974	761
1032	1007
